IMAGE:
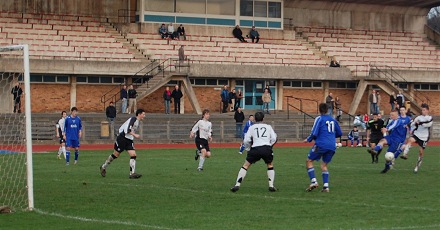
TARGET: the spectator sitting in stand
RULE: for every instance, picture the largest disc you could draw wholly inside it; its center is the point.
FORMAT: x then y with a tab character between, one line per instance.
171	32
334	63
181	32
163	31
238	33
254	34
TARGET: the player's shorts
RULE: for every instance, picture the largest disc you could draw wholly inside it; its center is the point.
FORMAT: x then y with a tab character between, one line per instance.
123	143
261	152
375	138
62	140
317	154
421	143
72	143
202	144
393	145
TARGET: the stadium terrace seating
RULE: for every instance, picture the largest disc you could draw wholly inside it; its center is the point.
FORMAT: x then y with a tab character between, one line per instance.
357	49
206	47
62	37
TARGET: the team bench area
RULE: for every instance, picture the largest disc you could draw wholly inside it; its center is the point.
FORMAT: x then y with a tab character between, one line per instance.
362	138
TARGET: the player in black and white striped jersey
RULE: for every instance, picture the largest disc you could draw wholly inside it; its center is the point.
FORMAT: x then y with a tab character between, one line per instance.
260	138
420	133
59	133
202	130
124	141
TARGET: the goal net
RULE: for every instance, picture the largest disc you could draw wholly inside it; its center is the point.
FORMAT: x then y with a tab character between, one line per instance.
16	181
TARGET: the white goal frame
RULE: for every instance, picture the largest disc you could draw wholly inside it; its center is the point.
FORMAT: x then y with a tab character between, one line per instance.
27	97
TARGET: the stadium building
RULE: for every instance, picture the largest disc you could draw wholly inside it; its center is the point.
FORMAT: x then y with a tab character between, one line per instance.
82	52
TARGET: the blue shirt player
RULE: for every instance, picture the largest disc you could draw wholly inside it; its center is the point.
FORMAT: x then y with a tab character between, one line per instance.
248	124
72	134
324	132
397	129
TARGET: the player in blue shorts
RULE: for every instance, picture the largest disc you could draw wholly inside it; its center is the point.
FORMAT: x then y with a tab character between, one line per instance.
72	133
248	124
325	131
397	130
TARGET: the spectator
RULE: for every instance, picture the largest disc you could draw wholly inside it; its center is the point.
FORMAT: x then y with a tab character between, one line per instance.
392	100
232	96
167	99
17	92
254	34
163	31
176	95
373	102
181	54
266	98
400	99
379	99
225	98
238	33
171	32
358	122
239	96
124	99
338	108
181	32
330	103
268	89
110	112
353	135
239	118
132	103
334	63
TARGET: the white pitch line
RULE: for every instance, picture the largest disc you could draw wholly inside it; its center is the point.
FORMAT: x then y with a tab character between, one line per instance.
84	219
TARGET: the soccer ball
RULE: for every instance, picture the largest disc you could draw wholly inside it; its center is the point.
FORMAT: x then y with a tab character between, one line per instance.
359	145
338	145
389	156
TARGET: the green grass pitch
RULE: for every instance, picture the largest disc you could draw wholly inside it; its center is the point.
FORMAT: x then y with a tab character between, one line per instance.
172	195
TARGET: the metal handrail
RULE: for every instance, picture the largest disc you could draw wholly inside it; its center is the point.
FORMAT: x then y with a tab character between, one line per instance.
301	102
105	97
394	76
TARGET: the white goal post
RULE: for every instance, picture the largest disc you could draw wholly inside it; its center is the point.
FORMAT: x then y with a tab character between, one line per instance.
16	139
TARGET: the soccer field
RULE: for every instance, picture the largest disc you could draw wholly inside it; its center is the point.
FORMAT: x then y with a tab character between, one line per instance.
172	194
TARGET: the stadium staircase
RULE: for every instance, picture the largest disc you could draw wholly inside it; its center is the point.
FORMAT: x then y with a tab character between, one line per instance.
121	38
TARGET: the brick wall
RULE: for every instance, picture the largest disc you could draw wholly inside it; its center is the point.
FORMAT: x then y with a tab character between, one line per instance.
88	97
50	98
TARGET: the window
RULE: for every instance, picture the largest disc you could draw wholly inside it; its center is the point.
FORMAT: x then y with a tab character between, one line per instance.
81	79
403	86
208	82
211	82
343	85
223	82
221	7
274	9
238	82
425	86
36	78
260	9
303	84
191	6
100	79
49	78
93	79
246	8
159	5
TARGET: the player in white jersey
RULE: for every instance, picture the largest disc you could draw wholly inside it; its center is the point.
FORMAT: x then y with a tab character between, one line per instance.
59	129
260	138
124	141
202	130
420	132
